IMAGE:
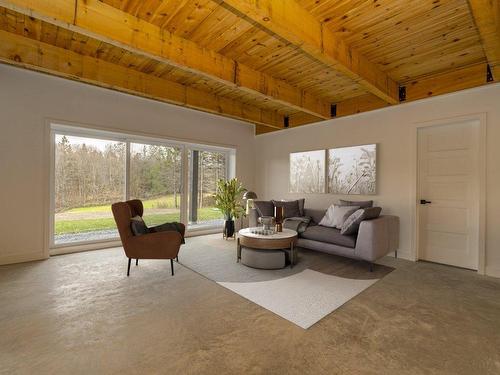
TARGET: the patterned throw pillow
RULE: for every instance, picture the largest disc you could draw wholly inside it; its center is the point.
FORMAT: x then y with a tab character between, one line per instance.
351	225
138	226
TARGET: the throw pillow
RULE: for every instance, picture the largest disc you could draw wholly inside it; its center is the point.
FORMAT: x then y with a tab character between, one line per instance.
336	215
341	213
372	212
351	225
138	226
264	208
291	208
301	206
327	220
361	204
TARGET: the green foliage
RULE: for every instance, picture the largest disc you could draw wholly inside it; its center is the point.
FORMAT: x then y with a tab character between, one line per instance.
228	198
90	225
166	201
89	175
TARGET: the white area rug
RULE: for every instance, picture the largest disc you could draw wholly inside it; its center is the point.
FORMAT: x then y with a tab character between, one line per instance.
303	298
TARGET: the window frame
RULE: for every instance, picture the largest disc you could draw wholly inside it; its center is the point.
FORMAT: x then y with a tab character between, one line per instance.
62	128
229	174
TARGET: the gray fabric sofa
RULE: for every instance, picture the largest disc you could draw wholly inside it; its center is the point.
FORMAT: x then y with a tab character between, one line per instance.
375	239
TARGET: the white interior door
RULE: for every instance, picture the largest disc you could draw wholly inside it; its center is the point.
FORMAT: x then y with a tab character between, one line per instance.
448	206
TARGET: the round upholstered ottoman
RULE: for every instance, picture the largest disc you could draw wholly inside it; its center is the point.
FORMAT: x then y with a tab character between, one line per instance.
263	259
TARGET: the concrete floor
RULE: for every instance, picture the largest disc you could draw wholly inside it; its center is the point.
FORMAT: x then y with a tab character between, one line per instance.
80	314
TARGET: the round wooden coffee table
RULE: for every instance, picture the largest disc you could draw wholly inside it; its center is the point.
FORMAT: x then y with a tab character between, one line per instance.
279	240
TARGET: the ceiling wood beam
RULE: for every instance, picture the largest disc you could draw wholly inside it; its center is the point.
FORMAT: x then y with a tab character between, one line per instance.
426	87
486	15
32	54
448	82
103	22
348	107
288	21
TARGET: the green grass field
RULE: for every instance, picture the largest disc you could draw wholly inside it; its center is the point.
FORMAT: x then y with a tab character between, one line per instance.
162	202
89	225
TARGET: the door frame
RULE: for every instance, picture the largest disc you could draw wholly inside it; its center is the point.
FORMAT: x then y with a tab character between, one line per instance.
414	194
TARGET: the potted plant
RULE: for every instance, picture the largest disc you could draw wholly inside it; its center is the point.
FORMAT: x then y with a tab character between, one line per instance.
228	199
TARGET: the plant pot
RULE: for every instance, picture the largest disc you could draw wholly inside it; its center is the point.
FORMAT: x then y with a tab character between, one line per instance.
228	229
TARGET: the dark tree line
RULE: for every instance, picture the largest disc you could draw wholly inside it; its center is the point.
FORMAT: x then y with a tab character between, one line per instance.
155	171
212	167
86	175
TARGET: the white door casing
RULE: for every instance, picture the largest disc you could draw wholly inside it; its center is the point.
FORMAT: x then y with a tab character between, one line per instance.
448	177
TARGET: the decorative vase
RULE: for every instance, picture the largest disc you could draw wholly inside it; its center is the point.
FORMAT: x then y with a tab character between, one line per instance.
279	213
228	229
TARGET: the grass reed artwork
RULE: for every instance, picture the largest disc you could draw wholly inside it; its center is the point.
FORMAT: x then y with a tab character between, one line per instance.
307	172
353	170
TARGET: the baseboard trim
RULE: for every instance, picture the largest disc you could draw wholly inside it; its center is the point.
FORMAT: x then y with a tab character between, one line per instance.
84	247
22	258
493	271
406	255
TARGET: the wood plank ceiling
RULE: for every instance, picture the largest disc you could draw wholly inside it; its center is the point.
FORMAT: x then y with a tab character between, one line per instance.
274	63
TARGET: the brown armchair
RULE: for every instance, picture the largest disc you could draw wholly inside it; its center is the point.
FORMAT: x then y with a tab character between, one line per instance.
159	245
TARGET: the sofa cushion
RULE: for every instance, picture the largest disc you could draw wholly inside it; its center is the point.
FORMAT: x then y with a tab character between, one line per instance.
328	235
351	225
264	208
336	215
291	208
360	204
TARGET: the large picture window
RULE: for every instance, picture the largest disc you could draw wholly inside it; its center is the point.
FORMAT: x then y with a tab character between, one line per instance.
155	178
205	169
89	175
93	169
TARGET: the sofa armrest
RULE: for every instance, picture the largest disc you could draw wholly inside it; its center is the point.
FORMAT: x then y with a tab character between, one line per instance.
377	238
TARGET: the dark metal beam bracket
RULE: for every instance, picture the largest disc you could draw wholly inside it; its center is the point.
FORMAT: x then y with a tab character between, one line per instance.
402	93
286	122
489	74
333	110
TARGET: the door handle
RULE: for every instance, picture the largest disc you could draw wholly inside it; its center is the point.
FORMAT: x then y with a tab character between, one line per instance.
423	201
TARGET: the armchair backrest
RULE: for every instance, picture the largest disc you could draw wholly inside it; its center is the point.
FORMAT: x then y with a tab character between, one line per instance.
136	207
123	212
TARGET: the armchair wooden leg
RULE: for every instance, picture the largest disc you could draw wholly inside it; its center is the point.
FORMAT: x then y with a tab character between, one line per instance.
172	266
137	262
371	267
177	259
128	268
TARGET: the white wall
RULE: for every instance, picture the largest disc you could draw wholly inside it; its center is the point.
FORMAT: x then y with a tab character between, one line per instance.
27	99
394	129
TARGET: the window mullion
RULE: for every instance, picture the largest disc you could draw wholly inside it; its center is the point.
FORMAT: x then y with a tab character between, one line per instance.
127	170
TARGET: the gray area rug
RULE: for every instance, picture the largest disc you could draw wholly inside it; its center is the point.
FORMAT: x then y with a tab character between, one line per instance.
317	285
